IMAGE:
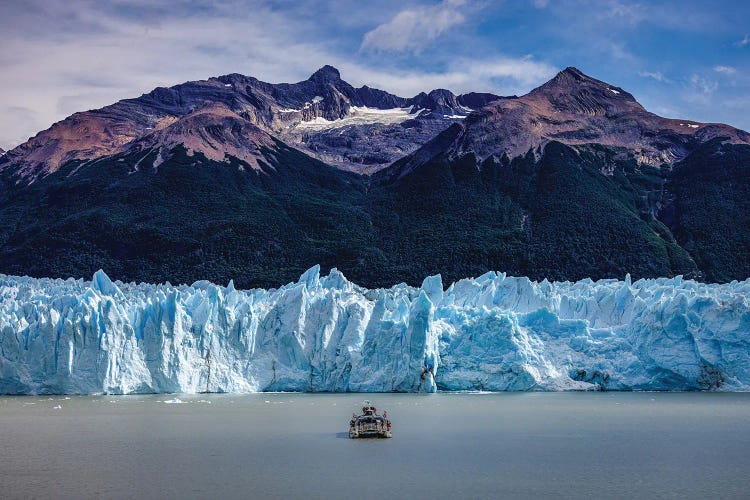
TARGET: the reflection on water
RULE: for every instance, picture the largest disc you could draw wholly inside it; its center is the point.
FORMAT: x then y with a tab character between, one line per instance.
561	445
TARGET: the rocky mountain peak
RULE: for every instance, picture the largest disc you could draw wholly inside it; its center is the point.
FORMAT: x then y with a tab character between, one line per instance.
376	98
572	78
442	96
440	102
577	110
574	74
573	91
326	74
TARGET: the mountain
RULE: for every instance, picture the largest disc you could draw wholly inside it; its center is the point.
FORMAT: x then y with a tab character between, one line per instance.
576	179
577	110
232	177
356	129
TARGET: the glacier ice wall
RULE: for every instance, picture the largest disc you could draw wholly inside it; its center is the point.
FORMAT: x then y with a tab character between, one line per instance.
492	333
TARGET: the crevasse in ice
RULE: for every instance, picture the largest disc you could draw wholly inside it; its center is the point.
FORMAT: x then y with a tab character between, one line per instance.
492	333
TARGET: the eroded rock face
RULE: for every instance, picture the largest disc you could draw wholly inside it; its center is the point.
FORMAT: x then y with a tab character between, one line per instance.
494	333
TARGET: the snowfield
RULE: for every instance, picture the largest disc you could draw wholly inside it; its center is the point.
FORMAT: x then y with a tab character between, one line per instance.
492	333
362	115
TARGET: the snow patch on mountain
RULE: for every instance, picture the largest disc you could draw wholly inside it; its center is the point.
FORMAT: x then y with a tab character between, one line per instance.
361	115
493	333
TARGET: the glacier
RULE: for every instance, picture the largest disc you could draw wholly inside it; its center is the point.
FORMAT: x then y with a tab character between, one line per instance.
491	333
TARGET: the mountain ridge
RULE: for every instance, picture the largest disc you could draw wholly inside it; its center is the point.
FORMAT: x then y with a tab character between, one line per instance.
574	108
274	108
312	115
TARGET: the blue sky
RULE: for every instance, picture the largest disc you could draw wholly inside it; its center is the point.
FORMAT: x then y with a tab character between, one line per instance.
684	59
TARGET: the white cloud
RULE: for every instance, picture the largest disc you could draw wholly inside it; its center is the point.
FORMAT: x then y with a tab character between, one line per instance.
655	75
504	75
628	13
97	57
415	28
703	85
700	89
51	69
727	70
617	50
115	58
744	42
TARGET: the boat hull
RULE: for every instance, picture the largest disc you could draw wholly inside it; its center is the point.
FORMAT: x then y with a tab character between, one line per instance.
354	434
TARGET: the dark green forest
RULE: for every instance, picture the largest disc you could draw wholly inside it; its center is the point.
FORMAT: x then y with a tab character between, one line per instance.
560	214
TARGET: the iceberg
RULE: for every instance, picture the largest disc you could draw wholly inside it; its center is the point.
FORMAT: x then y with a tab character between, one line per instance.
491	333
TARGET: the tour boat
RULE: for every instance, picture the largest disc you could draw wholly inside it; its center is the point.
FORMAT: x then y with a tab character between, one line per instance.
369	423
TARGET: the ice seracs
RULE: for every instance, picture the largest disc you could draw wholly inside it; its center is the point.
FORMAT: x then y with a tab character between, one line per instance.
491	333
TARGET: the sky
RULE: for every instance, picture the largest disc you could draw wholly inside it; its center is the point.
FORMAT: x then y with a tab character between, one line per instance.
682	59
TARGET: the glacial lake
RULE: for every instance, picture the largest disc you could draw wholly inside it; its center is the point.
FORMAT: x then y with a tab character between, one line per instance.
447	445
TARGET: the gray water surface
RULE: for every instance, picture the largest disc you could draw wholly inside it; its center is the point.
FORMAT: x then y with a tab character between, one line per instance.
520	445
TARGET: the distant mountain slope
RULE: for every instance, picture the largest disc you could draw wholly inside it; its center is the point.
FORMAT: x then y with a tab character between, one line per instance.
222	179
